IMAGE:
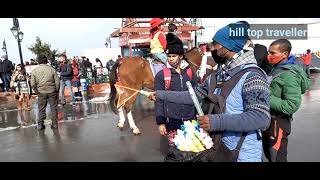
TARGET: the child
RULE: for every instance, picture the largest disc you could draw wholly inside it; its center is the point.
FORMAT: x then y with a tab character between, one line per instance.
23	88
76	79
158	42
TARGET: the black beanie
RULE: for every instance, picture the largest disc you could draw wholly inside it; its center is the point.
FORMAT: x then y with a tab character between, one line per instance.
174	45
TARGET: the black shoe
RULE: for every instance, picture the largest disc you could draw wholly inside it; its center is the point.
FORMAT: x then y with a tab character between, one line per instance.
41	127
54	126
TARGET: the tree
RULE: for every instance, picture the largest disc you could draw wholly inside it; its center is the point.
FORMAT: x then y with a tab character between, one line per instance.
43	48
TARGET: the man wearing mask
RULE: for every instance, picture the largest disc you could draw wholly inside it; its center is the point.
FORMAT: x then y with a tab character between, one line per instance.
246	109
66	75
288	84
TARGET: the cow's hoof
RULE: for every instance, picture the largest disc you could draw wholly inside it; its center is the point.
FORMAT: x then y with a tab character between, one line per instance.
136	131
120	126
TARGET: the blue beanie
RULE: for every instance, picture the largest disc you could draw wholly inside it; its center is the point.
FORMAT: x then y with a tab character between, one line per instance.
234	44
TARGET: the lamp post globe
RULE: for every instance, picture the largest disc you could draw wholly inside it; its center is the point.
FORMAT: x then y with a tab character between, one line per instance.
15	31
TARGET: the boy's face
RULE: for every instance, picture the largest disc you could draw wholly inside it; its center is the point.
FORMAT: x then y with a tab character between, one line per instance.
275	55
276	51
174	60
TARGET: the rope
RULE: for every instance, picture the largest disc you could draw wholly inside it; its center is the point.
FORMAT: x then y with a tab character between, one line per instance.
127	99
117	85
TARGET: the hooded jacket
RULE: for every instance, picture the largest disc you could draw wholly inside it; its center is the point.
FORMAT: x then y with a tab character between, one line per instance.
286	89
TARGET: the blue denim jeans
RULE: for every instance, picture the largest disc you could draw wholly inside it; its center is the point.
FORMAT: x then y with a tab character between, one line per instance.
62	87
162	56
5	77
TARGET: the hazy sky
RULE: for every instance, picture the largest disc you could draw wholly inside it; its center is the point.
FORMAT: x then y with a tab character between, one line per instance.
72	34
77	34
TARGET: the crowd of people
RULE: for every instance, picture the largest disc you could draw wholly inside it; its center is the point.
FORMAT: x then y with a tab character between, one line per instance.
250	99
17	78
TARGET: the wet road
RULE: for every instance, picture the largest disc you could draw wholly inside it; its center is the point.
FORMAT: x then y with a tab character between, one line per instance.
304	144
88	132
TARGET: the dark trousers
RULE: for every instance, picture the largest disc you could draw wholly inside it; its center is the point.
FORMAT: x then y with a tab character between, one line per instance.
42	103
275	140
307	69
6	78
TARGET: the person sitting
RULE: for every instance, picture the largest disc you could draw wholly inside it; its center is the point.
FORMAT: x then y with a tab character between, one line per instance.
158	43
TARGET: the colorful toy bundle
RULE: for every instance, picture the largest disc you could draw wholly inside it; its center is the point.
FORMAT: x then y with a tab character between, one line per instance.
192	138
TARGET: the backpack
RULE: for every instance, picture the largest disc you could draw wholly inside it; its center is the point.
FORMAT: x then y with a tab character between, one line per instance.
167	76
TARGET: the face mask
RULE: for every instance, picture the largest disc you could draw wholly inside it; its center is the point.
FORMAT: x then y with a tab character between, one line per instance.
218	57
273	59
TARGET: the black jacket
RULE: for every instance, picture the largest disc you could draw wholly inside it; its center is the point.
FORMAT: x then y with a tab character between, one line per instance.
7	66
172	39
173	114
110	64
1	67
66	72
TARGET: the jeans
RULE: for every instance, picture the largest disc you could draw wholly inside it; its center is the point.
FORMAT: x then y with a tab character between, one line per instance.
42	104
162	56
6	81
307	69
63	84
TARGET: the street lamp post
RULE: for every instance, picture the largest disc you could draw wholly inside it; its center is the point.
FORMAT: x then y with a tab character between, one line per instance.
18	35
108	42
4	47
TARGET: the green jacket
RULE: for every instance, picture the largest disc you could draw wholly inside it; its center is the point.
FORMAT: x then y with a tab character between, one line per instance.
287	88
44	79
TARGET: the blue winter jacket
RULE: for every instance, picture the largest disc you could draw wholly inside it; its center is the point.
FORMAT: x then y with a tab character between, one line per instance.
247	110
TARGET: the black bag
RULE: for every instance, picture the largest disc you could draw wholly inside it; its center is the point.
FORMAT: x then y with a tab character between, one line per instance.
175	155
218	153
214	104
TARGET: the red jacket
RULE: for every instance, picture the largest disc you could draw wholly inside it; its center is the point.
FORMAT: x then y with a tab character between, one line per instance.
307	59
75	74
